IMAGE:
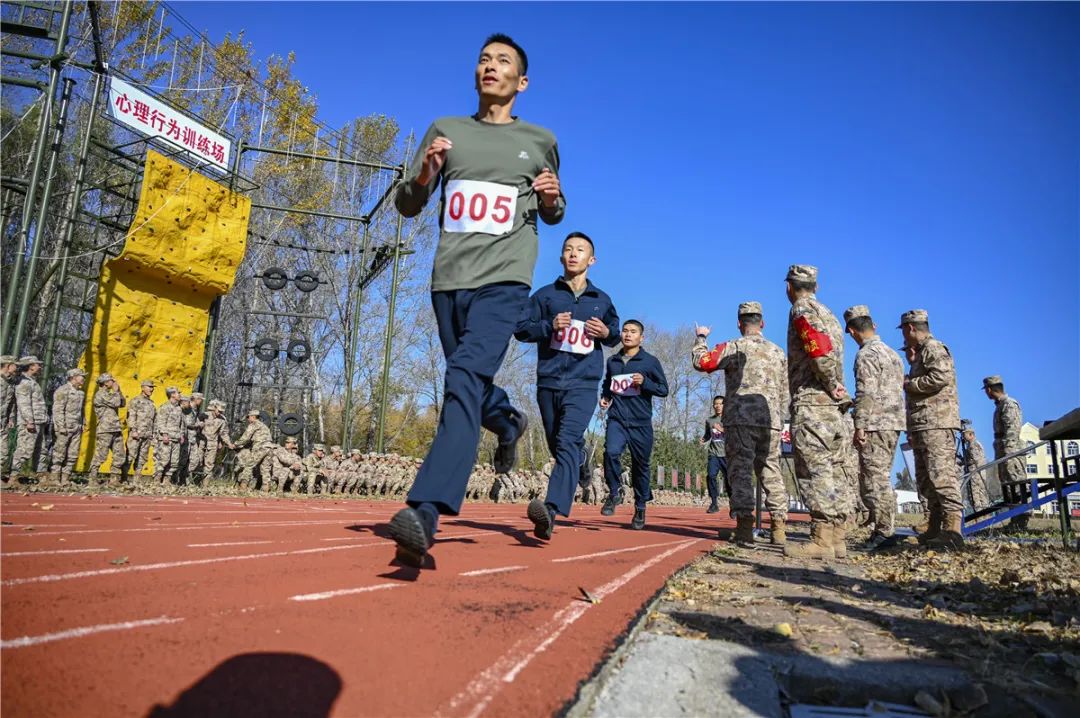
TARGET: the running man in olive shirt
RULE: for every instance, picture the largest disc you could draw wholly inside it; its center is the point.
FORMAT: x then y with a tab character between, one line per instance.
497	174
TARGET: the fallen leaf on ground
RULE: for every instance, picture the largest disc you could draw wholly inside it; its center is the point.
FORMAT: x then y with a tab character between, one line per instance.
119	561
47	507
588	596
784	629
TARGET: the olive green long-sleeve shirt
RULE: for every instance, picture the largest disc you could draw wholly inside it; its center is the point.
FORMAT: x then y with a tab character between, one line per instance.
487	206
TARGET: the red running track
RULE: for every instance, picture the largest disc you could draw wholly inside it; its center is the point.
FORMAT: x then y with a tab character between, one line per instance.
295	607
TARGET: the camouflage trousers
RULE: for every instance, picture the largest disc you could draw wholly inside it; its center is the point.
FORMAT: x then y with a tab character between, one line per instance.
65	452
104	443
753	454
980	498
817	435
27	444
1013	469
875	478
196	451
138	451
166	459
208	459
250	459
936	471
5	449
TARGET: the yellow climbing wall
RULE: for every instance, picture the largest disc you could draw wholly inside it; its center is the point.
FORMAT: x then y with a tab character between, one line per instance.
182	252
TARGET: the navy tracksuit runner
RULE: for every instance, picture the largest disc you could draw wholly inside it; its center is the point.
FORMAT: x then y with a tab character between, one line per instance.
566	381
630	421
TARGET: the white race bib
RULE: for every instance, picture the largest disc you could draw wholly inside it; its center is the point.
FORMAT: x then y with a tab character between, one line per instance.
623	385
473	206
572	339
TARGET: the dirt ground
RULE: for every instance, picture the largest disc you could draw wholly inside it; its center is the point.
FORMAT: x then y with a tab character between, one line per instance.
1007	613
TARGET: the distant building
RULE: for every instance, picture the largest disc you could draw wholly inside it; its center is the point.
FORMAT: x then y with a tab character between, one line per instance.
1039	462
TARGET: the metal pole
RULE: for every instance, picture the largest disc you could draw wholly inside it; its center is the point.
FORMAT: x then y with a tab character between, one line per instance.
384	388
350	349
31	190
42	218
69	229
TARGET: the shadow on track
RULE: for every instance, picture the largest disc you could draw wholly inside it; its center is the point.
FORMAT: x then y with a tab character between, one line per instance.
259	684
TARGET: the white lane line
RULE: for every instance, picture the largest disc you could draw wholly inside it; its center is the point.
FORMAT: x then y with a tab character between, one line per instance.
343	592
48	578
58	551
614	551
193	527
486	571
344	538
481	691
226	543
48	526
85	631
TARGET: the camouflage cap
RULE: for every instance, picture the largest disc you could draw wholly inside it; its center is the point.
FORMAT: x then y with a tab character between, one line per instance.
749	308
71	373
802	273
185	397
290	440
197	395
914	315
859	310
318	447
28	360
8	359
252	412
991	380
170	390
356	451
335	448
104	377
148	382
965	425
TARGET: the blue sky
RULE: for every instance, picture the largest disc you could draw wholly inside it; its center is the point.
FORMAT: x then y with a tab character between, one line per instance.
921	155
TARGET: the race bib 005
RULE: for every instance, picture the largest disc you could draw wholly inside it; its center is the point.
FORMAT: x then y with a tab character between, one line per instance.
485	207
572	339
623	385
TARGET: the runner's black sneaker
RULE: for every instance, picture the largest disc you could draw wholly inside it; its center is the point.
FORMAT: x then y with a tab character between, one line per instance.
610	503
543	518
413	536
638	522
714	507
506	454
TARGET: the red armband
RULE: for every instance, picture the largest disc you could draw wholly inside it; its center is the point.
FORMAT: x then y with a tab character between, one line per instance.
816	344
710	361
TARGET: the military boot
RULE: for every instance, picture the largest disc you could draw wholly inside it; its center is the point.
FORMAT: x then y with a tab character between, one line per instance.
714	507
819	545
933	526
839	541
778	534
744	531
952	533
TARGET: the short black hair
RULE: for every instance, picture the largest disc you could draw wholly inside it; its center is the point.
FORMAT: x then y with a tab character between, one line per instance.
718	396
636	323
504	39
996	387
750	320
800	286
581	235
861	324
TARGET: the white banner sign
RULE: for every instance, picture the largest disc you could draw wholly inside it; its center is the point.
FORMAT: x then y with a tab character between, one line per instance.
150	116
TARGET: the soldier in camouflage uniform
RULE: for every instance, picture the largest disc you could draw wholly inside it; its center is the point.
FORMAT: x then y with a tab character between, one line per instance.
879	419
31	414
169	431
284	466
185	445
756	381
314	471
255	445
933	417
973	456
67	414
350	471
108	432
332	465
193	425
215	434
816	377
141	416
9	376
1008	420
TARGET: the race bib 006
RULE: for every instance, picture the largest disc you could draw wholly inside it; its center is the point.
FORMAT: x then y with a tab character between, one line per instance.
485	207
623	385
572	339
